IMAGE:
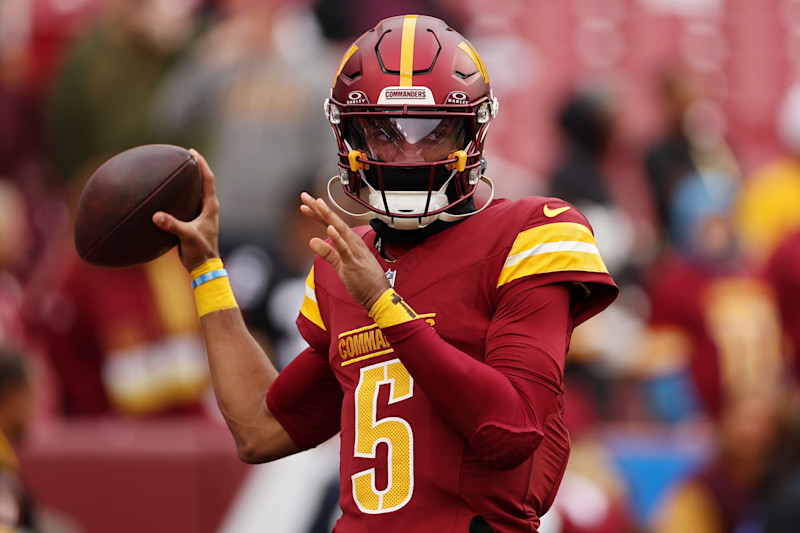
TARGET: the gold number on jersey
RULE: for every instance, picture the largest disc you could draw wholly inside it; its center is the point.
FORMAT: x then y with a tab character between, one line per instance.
394	431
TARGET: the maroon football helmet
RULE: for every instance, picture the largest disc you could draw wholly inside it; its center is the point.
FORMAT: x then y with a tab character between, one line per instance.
410	107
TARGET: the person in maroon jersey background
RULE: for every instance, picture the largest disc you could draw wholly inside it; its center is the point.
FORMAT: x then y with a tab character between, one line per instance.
437	334
714	318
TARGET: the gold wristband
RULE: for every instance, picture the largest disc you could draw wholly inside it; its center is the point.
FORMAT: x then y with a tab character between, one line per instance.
215	263
390	310
212	290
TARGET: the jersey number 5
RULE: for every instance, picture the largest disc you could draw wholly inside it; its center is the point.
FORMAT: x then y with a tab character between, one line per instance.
394	431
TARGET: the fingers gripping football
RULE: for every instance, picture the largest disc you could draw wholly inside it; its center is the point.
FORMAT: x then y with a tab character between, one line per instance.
199	237
347	253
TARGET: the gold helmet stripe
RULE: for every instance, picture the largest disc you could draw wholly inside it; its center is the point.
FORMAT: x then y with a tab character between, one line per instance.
343	62
407	51
471	52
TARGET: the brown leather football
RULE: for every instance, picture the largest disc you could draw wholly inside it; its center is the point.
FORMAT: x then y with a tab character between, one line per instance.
113	222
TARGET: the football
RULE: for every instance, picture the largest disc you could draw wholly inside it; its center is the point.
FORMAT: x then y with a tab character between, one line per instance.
113	220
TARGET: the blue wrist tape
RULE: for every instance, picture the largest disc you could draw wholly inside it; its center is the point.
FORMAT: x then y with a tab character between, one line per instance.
208	276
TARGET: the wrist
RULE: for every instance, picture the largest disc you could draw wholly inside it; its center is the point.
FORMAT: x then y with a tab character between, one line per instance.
370	303
212	290
390	310
212	263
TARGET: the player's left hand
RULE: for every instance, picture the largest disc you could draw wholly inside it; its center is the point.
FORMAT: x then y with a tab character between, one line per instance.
349	255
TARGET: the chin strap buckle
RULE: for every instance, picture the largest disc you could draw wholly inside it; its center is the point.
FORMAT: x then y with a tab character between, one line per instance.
355	164
460	162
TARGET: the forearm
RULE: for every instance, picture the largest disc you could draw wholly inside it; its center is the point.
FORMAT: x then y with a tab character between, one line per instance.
241	373
501	410
478	400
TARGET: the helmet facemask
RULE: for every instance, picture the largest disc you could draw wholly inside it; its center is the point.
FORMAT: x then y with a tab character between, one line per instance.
410	168
420	152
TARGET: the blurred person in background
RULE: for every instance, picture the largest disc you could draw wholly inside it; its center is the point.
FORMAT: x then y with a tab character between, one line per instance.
769	221
20	136
14	233
724	495
17	298
287	284
671	157
124	341
248	94
16	409
768	209
102	93
587	121
121	341
602	351
715	345
717	322
781	512
19	513
691	141
782	272
27	44
714	331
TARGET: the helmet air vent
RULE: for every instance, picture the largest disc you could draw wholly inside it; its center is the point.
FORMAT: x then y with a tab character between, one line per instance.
465	76
352	77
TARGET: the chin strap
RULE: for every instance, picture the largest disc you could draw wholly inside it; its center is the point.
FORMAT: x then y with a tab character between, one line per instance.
444	216
365	215
450	217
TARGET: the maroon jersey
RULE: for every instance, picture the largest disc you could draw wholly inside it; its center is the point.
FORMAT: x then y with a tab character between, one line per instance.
401	462
782	272
126	341
724	324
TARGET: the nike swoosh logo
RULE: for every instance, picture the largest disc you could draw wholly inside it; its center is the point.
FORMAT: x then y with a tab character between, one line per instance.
550	213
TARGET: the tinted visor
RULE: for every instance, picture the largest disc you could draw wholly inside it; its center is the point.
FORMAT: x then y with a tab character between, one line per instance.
399	139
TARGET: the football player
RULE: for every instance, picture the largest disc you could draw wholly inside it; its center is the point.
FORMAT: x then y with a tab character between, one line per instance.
437	333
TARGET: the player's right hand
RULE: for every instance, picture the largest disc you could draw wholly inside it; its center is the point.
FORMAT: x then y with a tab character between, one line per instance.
199	238
347	253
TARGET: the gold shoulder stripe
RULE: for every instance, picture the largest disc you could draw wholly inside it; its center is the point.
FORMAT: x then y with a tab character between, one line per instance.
472	53
310	308
557	231
559	247
407	51
347	55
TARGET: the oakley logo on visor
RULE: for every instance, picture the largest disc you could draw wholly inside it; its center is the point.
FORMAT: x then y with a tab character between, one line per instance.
406	95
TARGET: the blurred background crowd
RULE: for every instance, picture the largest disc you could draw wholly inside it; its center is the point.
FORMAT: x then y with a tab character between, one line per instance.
674	125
